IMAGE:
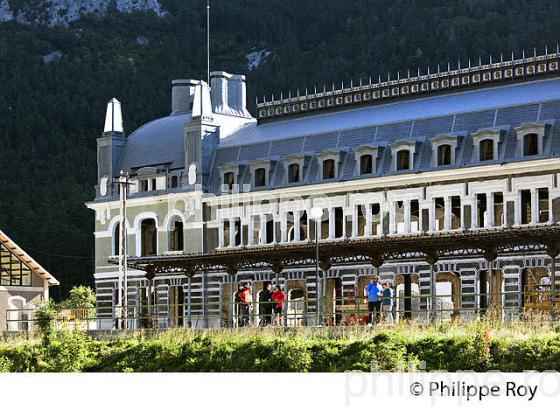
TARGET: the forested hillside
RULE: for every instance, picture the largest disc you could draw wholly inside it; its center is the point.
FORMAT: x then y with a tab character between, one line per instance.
55	82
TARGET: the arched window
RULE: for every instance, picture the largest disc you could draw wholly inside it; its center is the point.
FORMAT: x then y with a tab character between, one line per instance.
366	164
328	169
148	237
444	155
260	177
229	180
403	159
293	173
486	148
176	242
117	239
530	144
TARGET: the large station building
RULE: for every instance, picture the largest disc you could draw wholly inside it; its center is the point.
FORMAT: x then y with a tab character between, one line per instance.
458	155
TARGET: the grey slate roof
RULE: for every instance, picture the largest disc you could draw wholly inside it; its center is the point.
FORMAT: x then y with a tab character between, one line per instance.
419	120
155	143
464	112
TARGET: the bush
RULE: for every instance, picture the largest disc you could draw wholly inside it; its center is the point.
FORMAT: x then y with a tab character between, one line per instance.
45	318
193	351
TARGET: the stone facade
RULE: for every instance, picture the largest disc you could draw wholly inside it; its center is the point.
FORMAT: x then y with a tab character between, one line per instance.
499	169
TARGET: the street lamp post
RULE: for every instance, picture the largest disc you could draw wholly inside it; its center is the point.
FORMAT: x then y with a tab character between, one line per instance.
317	214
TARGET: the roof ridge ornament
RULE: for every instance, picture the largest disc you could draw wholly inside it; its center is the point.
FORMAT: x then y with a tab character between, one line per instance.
463	76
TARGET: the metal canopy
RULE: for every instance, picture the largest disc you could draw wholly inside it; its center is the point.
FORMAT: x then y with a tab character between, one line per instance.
488	243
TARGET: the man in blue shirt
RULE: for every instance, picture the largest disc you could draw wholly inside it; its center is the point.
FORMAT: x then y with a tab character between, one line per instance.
373	291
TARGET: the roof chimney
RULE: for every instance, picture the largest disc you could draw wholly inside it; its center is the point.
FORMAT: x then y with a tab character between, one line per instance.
228	94
182	93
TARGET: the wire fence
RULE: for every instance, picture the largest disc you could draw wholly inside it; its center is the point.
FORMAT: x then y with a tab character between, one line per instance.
343	308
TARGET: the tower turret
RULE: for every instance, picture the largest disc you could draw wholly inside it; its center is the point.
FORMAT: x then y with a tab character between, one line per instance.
109	148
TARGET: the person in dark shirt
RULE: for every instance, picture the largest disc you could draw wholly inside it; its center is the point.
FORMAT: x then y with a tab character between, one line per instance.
387	303
266	305
237	308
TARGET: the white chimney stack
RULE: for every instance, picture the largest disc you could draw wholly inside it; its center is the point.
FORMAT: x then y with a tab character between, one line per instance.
229	94
182	93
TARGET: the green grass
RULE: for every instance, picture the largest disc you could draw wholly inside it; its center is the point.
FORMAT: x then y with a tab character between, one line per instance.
479	346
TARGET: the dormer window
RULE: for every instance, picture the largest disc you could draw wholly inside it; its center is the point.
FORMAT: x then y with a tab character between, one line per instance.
148	184
329	162
530	144
403	155
260	177
174	182
486	150
294	167
328	169
403	160
293	173
366	160
366	164
230	173
486	144
530	139
444	147
229	180
260	172
444	155
147	179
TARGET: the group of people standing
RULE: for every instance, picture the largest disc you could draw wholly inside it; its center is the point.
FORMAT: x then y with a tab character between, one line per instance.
380	300
271	303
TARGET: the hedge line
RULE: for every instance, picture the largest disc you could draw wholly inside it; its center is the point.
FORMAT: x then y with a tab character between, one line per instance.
391	351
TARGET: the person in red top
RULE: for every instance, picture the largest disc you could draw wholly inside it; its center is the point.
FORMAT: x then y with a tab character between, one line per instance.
246	304
279	297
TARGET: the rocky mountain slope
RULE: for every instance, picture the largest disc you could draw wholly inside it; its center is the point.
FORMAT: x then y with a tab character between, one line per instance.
62	12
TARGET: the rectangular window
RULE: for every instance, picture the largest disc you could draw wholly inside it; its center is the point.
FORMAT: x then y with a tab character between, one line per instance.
439	203
269	229
403	160
375	219
544	216
481	210
328	169
324	224
290	227
455	212
293	173
226	232
338	222
366	164
444	155
260	177
414	216
525	206
361	222
498	209
399	217
237	233
145	185
530	144
303	226
256	230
